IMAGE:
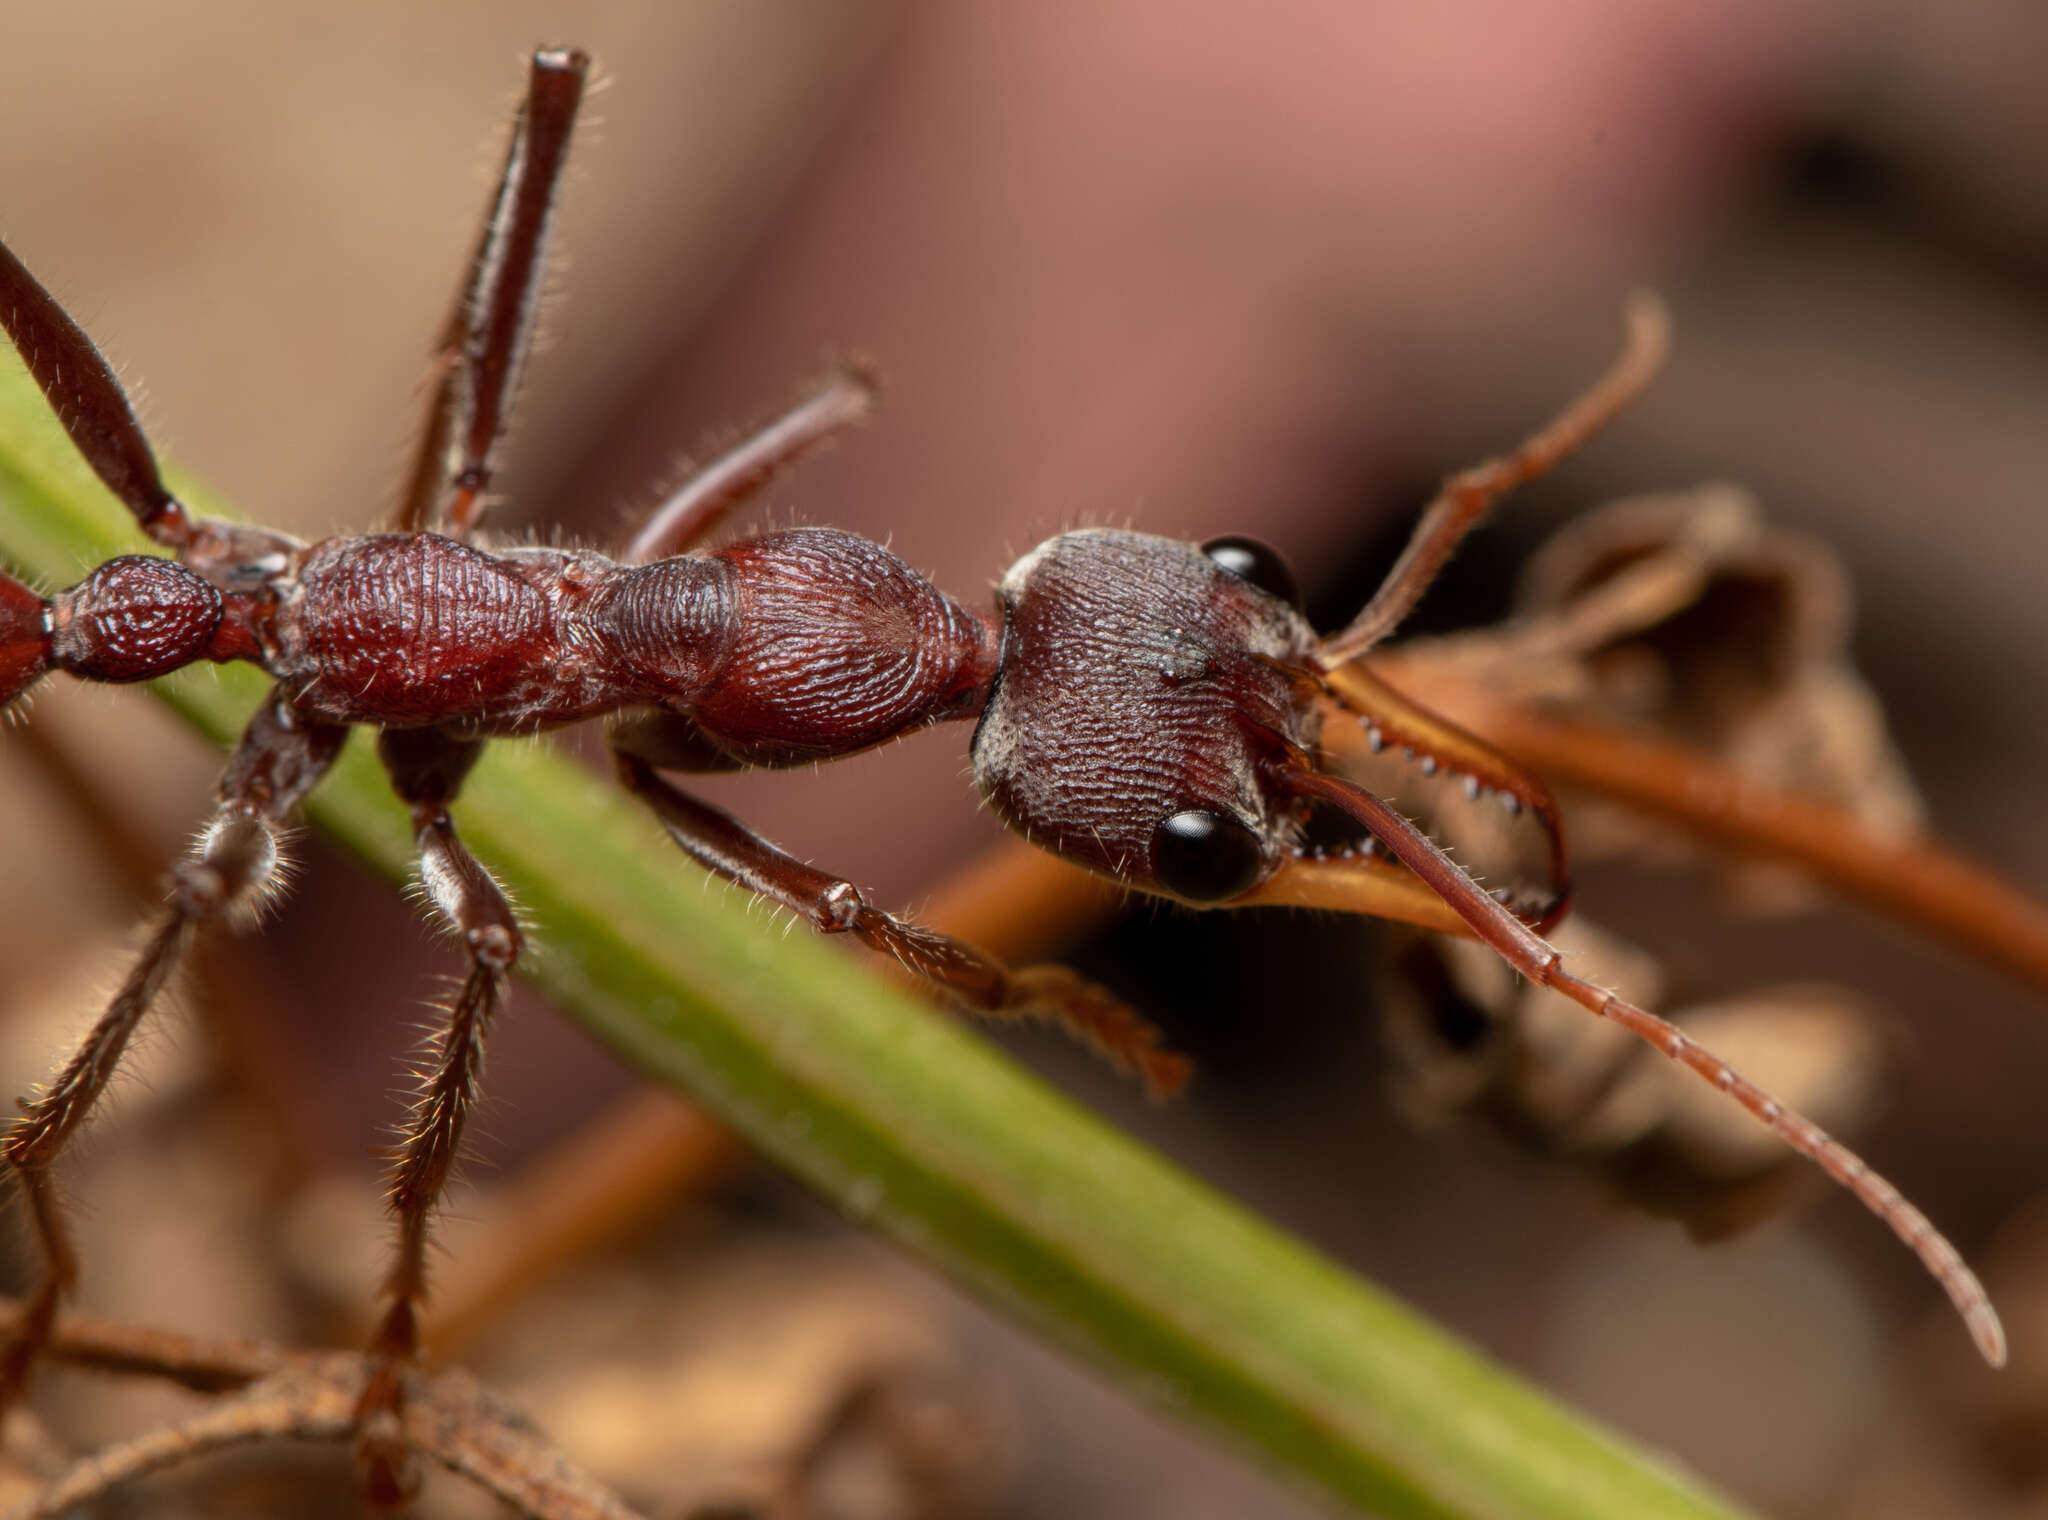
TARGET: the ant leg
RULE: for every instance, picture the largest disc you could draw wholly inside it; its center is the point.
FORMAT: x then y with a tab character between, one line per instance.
1531	955
832	905
81	389
696	506
80	386
483	349
426	770
1468	496
281	756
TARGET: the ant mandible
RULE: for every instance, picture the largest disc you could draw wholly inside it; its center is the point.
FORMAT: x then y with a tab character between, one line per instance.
1157	711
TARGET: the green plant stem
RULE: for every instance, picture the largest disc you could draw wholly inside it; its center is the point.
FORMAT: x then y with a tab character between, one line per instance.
924	1131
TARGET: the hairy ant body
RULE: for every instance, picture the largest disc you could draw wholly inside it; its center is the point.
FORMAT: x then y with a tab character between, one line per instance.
1157	711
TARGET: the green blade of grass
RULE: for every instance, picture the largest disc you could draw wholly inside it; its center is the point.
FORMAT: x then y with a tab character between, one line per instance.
924	1131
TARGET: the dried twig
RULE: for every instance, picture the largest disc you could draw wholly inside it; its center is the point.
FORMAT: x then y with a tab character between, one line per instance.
277	1394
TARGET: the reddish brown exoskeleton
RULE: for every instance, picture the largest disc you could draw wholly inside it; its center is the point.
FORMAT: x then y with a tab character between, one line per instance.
1157	711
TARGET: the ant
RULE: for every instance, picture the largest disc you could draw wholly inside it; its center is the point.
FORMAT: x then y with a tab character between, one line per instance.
1157	711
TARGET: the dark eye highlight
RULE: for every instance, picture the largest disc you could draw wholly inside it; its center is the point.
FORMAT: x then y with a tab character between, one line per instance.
1260	564
1205	856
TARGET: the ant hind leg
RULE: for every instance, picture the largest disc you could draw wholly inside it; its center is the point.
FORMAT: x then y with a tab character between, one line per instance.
79	384
280	758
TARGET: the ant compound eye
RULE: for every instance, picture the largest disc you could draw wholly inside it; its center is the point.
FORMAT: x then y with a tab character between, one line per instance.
1205	856
1261	564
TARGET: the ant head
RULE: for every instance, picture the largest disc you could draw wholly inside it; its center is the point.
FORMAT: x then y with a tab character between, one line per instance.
1148	691
1161	714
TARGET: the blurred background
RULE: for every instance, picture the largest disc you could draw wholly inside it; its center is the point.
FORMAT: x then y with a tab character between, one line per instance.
1197	268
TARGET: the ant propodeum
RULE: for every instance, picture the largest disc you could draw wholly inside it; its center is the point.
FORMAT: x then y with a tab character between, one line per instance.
1157	711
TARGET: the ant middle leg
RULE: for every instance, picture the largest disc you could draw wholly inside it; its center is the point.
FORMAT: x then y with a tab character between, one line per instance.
483	347
833	905
427	768
282	755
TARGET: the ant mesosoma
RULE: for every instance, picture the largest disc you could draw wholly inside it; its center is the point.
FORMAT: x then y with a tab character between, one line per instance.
1158	711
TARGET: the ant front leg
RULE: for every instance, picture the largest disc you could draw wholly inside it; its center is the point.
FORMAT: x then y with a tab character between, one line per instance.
832	905
427	768
737	474
282	755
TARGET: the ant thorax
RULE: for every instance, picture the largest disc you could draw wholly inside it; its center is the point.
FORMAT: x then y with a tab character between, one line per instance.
413	629
1145	681
780	649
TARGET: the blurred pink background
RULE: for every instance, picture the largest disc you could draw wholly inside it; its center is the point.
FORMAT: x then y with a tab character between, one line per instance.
1202	269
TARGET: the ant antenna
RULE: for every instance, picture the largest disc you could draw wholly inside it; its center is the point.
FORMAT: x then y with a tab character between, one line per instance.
1469	495
1531	955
